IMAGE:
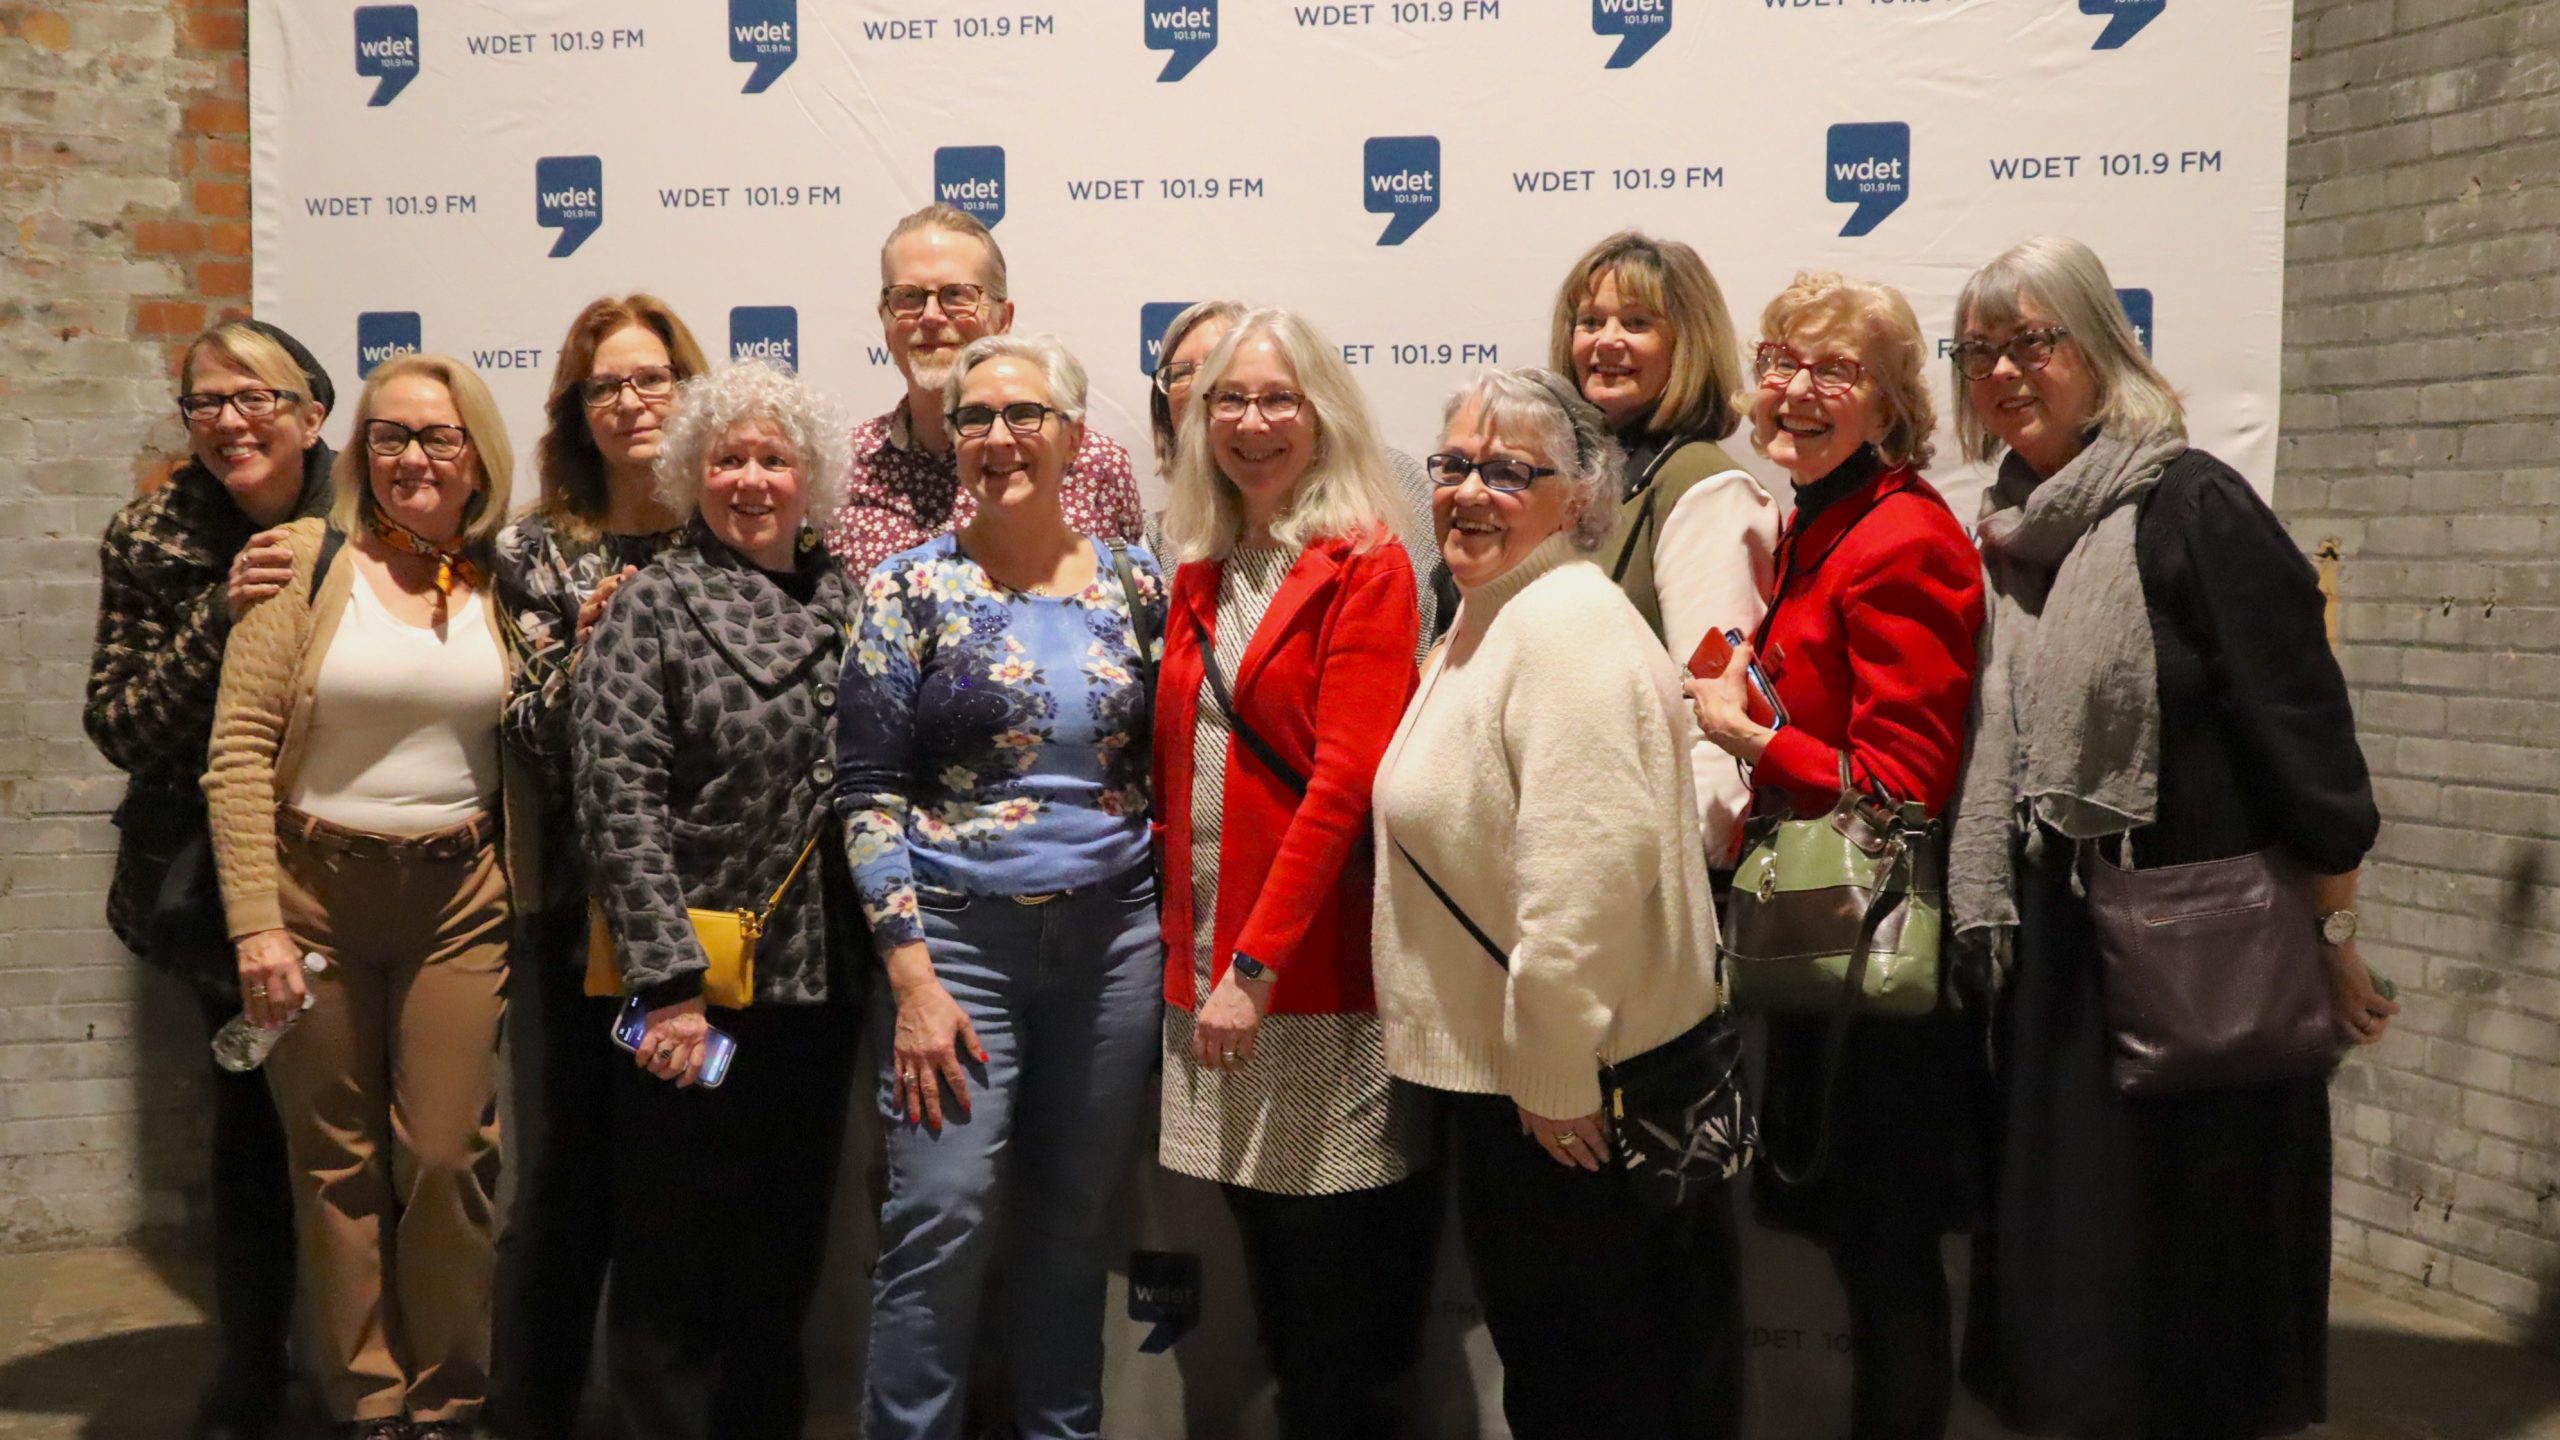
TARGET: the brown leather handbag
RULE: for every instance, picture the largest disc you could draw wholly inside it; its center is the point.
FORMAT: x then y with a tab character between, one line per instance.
2212	972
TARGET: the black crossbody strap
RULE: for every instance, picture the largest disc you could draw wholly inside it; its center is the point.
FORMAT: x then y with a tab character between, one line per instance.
332	540
1496	951
1217	677
1140	624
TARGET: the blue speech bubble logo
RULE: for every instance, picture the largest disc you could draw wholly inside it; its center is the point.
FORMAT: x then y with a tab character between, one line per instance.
568	196
1188	28
970	179
1164	1291
2137	312
384	334
1153	318
1639	25
770	333
1400	178
765	34
387	48
2125	19
1868	165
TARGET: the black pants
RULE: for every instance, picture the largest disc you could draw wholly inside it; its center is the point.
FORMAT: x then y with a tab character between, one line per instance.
1611	1319
552	1259
253	1241
1341	1289
1900	1331
720	1201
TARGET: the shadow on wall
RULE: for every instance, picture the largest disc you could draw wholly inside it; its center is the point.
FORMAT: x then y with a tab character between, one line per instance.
174	1100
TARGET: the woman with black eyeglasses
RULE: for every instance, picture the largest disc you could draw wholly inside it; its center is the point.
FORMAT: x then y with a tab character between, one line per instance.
359	794
992	768
599	519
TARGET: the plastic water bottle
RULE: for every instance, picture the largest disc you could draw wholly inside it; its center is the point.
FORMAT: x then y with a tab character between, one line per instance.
244	1044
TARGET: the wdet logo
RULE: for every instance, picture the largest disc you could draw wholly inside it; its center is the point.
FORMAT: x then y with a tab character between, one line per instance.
765	332
1639	25
1153	317
1188	28
1164	1291
568	196
382	334
1869	166
387	48
2137	308
970	178
2125	19
1400	177
765	34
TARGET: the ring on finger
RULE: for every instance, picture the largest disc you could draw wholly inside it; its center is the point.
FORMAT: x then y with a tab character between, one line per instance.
1570	1138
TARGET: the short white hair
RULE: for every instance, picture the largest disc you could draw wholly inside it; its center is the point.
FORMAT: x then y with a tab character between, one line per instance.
710	405
1347	493
2067	280
1539	410
1059	367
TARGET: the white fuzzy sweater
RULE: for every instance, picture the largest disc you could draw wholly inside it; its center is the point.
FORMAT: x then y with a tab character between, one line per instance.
1542	776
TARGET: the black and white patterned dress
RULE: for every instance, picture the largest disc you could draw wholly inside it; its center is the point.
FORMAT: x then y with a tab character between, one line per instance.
1315	1112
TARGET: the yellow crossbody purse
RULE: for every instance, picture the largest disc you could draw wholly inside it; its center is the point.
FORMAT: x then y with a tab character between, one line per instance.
728	939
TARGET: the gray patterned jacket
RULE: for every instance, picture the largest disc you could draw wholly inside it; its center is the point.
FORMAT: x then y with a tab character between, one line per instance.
703	719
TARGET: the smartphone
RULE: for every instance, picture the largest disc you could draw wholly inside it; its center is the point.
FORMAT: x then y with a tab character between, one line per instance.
1714	652
718	1050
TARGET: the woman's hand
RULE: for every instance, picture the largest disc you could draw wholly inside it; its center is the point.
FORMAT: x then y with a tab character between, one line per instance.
1578	1143
933	1032
1723	706
271	984
593	610
1222	1036
2362	1012
673	1046
263	567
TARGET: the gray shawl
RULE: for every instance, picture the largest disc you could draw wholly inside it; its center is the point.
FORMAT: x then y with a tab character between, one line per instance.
2067	701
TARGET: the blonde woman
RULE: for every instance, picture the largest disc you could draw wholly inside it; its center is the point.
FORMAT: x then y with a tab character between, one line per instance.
357	800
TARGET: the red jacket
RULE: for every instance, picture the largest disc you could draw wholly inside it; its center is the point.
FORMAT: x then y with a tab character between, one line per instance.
1324	681
1869	643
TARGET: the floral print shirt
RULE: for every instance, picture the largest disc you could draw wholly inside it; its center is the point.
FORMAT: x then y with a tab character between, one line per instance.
991	742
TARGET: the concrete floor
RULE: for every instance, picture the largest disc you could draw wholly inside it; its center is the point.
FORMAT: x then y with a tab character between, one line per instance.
111	1345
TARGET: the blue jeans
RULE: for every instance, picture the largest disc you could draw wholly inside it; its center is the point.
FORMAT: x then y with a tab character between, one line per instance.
1067	998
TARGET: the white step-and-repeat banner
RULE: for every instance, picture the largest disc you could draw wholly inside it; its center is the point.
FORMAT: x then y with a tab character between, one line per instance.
463	175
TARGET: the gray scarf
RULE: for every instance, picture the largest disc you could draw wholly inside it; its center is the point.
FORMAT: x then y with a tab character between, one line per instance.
2067	702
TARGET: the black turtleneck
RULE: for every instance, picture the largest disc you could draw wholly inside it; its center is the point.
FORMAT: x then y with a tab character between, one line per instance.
1845	478
1643	447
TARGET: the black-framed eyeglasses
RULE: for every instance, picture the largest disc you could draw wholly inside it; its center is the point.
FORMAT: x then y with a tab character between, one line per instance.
957	301
649	382
1833	375
1176	372
1278	406
390	439
2029	350
203	407
1498	473
1022	417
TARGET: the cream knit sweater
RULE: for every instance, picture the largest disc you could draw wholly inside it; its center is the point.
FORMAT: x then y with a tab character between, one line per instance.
1542	775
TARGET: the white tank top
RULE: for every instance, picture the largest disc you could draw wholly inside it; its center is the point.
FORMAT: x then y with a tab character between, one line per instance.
403	736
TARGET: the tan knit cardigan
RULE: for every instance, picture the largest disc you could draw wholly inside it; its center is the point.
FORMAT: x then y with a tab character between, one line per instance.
261	726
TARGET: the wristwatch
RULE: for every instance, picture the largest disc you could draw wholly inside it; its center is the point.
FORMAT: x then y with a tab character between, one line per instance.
2337	927
1248	968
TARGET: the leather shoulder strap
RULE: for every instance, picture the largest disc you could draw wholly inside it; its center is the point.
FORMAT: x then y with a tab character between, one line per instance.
1216	675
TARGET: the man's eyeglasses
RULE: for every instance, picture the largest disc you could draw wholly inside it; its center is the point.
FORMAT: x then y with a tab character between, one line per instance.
2029	350
1176	372
1500	473
1022	417
390	439
204	408
1833	375
957	301
649	382
1279	407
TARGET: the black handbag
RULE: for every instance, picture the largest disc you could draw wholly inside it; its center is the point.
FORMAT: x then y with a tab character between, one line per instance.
1680	1121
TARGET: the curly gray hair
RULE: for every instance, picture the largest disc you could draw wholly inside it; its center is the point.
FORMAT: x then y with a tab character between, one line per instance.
711	404
1537	409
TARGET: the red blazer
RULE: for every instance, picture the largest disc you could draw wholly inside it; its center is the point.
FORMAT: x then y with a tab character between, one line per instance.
1869	643
1325	681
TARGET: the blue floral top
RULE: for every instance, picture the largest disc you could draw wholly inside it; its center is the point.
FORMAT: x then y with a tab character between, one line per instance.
989	741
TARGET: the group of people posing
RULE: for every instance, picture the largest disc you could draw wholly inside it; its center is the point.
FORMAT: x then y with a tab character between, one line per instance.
759	728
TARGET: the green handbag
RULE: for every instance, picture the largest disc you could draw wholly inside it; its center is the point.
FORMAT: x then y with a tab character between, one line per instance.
1839	911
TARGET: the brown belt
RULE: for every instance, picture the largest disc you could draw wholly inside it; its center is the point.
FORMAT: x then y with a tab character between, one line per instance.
454	842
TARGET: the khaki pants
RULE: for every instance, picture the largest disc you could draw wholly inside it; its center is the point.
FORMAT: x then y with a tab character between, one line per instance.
388	1091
